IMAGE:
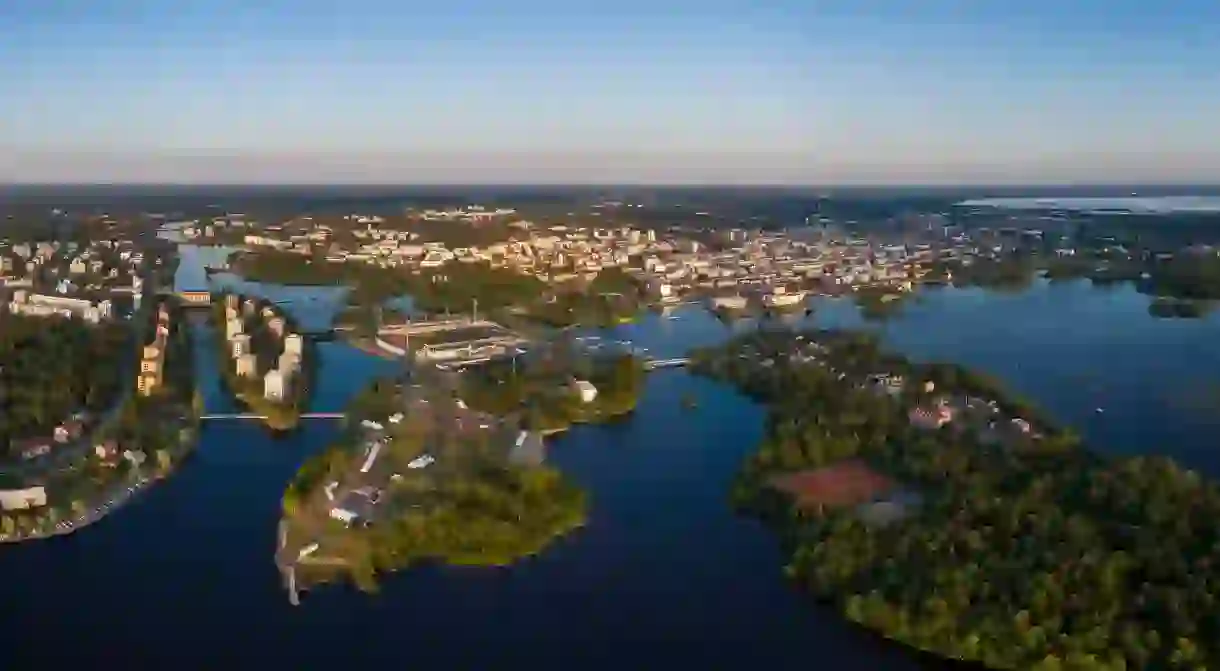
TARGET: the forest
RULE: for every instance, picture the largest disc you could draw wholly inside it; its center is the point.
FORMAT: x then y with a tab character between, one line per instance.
51	368
161	426
1038	556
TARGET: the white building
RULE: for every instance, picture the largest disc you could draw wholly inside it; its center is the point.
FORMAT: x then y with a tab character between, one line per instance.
586	390
240	344
274	386
247	365
22	499
294	344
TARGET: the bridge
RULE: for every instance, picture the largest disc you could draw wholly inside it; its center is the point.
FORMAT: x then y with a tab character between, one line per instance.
654	364
252	415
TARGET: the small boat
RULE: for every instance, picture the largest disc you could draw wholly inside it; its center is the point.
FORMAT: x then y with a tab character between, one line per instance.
1100	410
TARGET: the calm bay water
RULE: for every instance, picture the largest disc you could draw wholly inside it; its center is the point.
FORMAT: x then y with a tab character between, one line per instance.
662	576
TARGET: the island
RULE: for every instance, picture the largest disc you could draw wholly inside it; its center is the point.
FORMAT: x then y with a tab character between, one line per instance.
1188	277
611	297
264	359
929	505
880	303
1179	308
417	476
557	384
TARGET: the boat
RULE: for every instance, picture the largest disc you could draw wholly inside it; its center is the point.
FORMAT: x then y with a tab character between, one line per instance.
783	299
729	302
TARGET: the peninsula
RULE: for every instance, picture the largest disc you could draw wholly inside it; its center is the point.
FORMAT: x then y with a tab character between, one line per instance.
416	476
932	507
264	359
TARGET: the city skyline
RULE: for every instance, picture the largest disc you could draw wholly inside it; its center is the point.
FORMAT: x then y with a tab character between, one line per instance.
676	92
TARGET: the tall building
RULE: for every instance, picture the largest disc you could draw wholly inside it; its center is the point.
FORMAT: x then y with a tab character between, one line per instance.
294	343
274	386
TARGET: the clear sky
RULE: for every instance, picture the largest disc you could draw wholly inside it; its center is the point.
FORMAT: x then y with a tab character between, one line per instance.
727	91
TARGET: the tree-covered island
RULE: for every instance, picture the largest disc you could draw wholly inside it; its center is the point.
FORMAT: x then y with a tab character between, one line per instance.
880	303
557	385
930	506
419	476
1183	283
611	297
264	359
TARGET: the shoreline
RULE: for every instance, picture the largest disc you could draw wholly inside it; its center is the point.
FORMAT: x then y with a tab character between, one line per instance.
91	517
99	511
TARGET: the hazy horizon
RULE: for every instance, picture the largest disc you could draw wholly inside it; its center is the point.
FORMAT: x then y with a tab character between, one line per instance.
874	92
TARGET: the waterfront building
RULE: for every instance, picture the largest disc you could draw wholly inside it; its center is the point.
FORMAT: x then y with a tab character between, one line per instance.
240	344
274	386
288	362
294	343
146	384
586	390
247	365
23	499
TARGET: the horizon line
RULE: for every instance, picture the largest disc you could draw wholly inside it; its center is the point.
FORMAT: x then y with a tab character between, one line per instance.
598	184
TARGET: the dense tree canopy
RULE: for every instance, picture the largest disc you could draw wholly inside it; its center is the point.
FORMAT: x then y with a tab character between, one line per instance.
541	388
1039	555
53	367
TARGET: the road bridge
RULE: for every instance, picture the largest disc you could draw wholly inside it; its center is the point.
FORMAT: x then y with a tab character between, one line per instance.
654	364
252	415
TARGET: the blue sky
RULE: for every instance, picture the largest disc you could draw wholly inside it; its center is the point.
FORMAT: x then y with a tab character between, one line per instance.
793	91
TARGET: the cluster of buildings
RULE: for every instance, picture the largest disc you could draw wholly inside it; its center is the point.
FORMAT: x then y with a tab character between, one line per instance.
277	380
771	264
152	357
66	431
42	305
982	415
68	268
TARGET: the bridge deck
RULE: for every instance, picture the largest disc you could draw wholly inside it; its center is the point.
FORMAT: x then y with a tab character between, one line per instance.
250	415
666	363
